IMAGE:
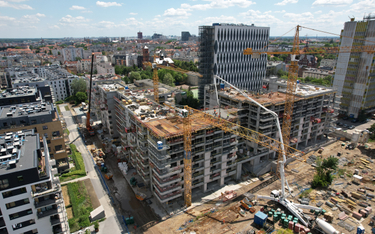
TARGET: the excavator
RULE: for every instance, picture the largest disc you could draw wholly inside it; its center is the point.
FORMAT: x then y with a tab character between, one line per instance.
88	125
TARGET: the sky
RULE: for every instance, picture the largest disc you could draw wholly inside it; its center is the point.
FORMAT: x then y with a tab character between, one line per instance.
120	18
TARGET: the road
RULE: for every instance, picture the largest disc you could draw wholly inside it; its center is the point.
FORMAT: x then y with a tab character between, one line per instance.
125	201
111	224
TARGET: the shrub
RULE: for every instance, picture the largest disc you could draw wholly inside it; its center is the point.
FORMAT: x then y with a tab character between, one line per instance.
59	102
79	164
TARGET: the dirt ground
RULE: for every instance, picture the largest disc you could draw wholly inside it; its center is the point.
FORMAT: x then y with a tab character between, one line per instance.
299	174
90	190
69	212
65	195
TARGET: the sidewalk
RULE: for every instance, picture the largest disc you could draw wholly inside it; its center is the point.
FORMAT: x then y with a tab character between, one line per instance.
111	224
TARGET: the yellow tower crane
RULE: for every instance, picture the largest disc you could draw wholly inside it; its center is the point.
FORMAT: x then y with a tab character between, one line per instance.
293	70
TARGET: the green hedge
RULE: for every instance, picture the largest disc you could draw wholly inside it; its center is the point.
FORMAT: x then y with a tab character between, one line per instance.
78	161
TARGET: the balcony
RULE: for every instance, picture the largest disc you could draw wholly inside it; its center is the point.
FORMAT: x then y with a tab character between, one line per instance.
168	197
60	151
57	137
48	213
55	221
168	189
47	202
43	192
164	182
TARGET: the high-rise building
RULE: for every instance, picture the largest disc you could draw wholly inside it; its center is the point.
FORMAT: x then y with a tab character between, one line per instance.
139	35
31	198
185	36
221	53
354	77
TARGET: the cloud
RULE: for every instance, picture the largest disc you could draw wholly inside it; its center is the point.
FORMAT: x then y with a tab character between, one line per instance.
6	18
255	16
107	4
71	19
132	13
332	2
179	12
368	5
15	0
15	6
218	4
40	15
283	3
75	7
283	11
54	27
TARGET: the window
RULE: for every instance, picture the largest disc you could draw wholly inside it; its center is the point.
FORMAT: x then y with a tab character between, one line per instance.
4	184
58	147
48	141
56	133
14	192
20	178
46	135
45	127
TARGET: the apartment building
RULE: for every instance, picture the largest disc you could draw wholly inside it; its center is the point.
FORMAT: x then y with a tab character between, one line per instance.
312	116
71	53
104	91
221	53
44	119
316	73
59	80
152	137
31	195
354	77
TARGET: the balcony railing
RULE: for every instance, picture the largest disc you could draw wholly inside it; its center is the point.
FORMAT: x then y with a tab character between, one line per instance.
47	202
47	213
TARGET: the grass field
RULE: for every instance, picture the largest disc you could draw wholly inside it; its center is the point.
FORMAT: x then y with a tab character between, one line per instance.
67	108
58	109
79	170
80	204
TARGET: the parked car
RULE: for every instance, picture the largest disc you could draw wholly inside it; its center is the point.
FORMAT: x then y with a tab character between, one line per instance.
345	118
345	126
339	124
354	120
351	127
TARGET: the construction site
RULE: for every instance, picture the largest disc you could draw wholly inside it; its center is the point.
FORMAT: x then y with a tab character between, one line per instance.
245	162
339	201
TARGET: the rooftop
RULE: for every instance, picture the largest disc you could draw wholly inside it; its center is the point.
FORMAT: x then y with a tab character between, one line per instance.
29	109
19	91
18	151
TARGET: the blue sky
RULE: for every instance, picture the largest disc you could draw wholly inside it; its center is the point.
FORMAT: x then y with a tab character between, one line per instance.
79	18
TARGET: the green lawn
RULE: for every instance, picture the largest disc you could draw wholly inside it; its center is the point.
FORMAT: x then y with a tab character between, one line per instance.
67	108
58	109
81	206
67	132
78	170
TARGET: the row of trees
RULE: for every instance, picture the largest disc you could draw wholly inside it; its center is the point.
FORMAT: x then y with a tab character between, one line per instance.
190	66
326	81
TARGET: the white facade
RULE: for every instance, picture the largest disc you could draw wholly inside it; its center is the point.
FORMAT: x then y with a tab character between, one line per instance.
61	88
231	64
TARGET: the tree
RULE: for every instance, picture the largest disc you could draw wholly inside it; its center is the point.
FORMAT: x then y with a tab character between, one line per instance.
168	79
323	172
103	52
119	48
81	96
50	52
78	58
134	76
17	47
58	52
78	85
190	100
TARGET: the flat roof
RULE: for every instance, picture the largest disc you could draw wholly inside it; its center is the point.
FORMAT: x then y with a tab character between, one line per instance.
19	92
18	148
173	126
27	109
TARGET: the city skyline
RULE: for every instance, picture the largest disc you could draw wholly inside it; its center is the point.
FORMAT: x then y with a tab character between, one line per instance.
34	19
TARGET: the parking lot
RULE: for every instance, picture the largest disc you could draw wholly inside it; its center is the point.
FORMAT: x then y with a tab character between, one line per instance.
345	125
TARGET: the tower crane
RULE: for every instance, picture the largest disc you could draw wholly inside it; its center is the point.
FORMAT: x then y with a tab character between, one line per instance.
88	125
293	70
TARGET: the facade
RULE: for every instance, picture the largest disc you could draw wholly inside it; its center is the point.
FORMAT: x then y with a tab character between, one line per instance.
71	53
152	140
312	115
185	36
20	95
316	73
42	117
31	195
139	35
105	68
355	71
221	53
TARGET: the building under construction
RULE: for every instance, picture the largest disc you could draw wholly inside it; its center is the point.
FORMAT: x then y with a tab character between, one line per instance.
153	137
312	114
